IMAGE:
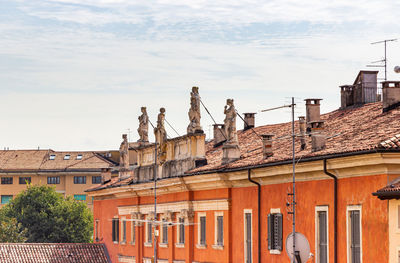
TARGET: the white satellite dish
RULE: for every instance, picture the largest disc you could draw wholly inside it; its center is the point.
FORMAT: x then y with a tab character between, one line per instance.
302	248
397	69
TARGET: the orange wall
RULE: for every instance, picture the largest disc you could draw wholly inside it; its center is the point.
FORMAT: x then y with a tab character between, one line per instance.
352	191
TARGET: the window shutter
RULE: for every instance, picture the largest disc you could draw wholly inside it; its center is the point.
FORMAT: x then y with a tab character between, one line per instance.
279	218
270	229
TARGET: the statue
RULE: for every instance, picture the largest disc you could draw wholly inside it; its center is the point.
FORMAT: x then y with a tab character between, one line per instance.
124	153
143	126
194	112
230	122
161	135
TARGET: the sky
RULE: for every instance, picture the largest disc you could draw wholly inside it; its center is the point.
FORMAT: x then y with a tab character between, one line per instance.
74	73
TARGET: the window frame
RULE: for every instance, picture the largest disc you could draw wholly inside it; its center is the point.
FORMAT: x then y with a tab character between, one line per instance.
164	231
218	230
96	230
5	179
133	230
199	244
96	177
318	209
148	242
180	231
115	230
10	197
349	209
275	214
247	211
123	230
57	179
25	179
78	181
75	197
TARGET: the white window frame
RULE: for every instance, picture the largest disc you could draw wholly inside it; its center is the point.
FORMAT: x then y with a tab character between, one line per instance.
216	245
247	211
133	231
122	220
162	244
348	209
199	245
321	208
146	243
178	231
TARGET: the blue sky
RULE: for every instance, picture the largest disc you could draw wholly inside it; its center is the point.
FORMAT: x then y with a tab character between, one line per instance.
74	73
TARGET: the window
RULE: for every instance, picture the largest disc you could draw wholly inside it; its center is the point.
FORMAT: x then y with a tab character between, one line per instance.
96	230
6	180
149	232
53	179
248	244
398	217
79	157
275	232
24	180
321	234
67	157
133	232
165	231
96	179
201	241
5	199
181	232
79	179
80	197
354	249
52	157
123	234
115	230
218	230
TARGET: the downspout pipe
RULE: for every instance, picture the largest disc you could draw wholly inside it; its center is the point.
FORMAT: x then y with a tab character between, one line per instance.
259	212
335	201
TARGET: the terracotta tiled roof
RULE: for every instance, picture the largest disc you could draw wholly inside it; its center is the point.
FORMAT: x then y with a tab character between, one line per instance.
39	160
53	253
351	130
390	191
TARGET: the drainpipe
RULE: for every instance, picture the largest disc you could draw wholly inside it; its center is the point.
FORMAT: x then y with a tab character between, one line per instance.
335	201
259	212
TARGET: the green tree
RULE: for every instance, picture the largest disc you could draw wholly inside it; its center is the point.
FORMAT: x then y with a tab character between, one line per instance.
11	231
49	217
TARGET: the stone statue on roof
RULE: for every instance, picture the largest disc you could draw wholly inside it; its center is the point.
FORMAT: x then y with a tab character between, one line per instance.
230	122
143	129
161	135
194	112
124	153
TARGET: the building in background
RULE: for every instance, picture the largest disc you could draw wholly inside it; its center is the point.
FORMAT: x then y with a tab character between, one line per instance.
214	205
71	173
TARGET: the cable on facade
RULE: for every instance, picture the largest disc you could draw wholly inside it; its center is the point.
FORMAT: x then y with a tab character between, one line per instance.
172	127
212	118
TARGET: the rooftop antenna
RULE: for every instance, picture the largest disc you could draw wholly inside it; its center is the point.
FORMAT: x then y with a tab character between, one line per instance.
293	194
384	60
129	134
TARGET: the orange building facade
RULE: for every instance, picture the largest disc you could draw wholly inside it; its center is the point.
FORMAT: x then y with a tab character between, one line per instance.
240	210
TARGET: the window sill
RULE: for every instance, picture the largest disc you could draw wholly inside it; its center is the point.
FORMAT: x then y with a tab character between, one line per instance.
148	244
218	247
122	243
180	245
201	246
163	245
116	242
275	252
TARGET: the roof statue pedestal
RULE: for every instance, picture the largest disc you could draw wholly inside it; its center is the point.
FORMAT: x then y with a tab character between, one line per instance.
230	149
143	129
194	112
124	158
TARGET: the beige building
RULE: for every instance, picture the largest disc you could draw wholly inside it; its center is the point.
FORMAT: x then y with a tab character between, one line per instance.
71	173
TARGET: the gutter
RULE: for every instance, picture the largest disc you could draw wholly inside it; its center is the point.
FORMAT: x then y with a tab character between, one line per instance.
259	212
335	201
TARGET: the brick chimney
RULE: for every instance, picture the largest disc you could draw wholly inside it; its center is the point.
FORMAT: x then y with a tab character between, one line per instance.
302	127
267	145
219	134
249	120
390	95
318	137
312	111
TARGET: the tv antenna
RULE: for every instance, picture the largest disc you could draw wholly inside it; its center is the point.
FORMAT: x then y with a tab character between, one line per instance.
384	60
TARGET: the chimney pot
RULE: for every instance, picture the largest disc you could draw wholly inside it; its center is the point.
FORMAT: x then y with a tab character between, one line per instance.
302	127
318	137
249	120
219	134
267	145
390	95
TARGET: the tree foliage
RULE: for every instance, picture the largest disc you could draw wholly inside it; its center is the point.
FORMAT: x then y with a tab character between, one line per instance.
49	217
11	231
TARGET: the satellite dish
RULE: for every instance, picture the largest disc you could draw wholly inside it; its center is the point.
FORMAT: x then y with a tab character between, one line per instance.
397	69
302	248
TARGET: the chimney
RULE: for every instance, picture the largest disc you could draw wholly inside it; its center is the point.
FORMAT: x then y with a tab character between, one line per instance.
346	96
219	134
302	126
249	120
312	111
390	95
267	145
317	136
